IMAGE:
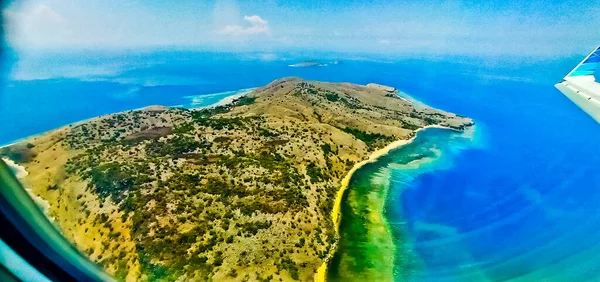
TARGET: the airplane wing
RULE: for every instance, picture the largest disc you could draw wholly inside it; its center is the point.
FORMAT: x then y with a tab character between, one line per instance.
31	248
582	85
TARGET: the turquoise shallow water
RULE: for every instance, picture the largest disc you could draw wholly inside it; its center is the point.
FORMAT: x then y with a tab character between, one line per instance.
371	244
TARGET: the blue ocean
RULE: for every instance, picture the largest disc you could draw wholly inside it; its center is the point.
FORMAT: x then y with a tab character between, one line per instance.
519	199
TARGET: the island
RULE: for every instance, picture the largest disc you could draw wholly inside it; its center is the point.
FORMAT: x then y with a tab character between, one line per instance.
313	63
245	191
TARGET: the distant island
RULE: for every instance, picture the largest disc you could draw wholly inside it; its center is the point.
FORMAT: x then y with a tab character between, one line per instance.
313	63
248	190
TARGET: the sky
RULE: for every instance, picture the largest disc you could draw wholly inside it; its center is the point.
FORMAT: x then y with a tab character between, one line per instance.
429	26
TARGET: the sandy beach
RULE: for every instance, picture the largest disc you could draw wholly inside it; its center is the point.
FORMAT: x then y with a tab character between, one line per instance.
18	170
335	214
227	100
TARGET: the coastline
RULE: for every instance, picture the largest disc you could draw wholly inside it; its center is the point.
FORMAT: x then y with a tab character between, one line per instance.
18	170
320	275
225	101
16	141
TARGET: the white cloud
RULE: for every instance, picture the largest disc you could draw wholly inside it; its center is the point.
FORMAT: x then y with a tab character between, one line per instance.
35	24
256	20
46	14
254	25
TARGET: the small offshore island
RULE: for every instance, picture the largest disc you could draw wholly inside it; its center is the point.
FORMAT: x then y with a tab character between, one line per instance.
248	191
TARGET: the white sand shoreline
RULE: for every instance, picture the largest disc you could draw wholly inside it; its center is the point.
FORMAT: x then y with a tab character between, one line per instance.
12	143
335	214
225	101
19	171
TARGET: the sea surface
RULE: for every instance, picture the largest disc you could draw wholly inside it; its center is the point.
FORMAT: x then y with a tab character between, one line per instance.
515	198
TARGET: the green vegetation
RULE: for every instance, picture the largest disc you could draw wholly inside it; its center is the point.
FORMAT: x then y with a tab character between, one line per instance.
332	97
315	173
348	102
267	133
111	179
326	149
175	146
184	128
253	227
371	139
244	101
289	265
18	154
410	126
207	118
